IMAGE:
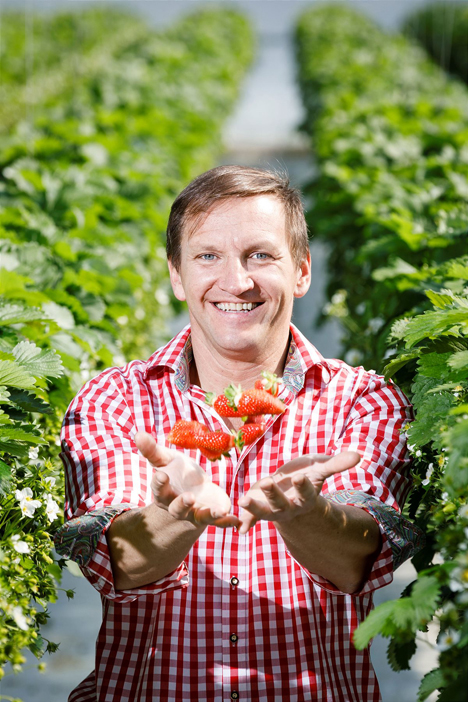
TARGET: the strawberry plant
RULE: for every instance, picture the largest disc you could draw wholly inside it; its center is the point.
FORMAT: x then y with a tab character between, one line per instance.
389	130
441	28
85	191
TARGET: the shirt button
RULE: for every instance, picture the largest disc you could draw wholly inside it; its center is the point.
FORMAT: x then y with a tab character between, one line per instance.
234	695
233	638
234	581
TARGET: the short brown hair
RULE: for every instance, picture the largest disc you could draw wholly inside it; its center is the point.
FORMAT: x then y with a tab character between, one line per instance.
226	182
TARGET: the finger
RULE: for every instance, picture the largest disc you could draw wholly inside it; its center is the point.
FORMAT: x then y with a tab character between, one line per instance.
182	506
276	498
248	520
153	452
338	463
305	491
161	488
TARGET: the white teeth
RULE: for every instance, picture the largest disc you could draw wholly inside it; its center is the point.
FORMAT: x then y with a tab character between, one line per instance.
236	306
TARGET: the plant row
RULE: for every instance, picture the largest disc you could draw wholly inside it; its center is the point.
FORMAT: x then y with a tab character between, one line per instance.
85	191
389	130
442	29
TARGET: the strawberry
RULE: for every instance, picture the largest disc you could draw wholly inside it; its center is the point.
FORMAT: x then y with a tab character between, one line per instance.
214	444
248	433
223	406
185	433
269	382
251	402
193	435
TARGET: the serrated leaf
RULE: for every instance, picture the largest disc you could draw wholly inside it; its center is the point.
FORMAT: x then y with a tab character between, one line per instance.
431	324
431	682
14	375
425	597
379	621
29	402
456	690
440	299
17	314
403	614
42	363
393	366
430	412
399	654
434	365
458	360
5	477
8	434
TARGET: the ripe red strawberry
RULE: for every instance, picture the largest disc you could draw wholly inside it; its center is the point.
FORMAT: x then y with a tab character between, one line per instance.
248	433
254	401
185	434
269	382
214	444
193	435
223	406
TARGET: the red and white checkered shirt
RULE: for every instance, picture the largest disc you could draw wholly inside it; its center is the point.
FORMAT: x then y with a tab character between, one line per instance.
240	618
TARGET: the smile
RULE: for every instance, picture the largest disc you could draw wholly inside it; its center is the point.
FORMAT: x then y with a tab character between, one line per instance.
237	306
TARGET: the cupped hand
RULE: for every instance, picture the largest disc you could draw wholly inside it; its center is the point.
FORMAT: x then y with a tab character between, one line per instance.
182	487
293	489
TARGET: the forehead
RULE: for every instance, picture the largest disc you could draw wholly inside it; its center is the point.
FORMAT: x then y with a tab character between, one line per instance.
255	214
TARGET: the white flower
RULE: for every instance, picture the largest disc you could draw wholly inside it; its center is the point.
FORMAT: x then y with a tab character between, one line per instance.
448	639
20	620
375	324
20	546
444	497
52	508
429	472
33	453
458	579
50	481
418	453
27	504
463	512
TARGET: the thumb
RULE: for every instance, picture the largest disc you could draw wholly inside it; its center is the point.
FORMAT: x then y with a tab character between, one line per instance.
338	463
159	456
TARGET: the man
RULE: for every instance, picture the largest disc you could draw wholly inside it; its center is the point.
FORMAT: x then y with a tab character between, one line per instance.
246	577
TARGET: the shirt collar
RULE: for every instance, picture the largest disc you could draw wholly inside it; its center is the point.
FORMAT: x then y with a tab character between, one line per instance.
302	356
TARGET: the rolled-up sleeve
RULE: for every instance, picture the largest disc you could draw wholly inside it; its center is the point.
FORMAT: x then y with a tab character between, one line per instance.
83	540
375	428
104	476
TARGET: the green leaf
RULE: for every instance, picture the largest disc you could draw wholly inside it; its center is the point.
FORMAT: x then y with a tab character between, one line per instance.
379	621
15	375
431	682
41	363
458	360
5	477
17	314
401	360
29	402
399	654
432	410
433	324
456	691
8	434
425	597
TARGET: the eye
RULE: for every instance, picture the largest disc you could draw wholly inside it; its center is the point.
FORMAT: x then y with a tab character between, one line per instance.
261	256
207	257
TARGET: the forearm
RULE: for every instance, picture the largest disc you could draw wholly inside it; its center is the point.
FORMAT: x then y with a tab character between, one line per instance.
340	543
146	544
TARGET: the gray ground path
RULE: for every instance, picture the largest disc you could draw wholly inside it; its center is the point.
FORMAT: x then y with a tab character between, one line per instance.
261	132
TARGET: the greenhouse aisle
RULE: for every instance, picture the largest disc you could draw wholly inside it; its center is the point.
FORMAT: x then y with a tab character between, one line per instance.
261	132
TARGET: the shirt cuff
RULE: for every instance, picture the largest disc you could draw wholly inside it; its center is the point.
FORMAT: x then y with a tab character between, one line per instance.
400	539
83	540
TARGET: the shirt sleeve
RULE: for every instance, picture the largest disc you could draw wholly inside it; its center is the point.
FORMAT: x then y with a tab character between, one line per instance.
104	476
374	427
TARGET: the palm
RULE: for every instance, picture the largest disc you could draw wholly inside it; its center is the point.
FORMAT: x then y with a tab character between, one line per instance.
182	488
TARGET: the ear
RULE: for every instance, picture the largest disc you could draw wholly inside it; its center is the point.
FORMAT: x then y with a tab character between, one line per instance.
176	282
304	277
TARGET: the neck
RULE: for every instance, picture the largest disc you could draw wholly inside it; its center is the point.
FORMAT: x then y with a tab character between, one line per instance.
214	372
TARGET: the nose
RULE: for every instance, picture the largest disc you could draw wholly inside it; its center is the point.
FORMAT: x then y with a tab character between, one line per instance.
234	277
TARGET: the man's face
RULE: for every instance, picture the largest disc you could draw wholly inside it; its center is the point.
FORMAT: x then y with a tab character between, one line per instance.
239	279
